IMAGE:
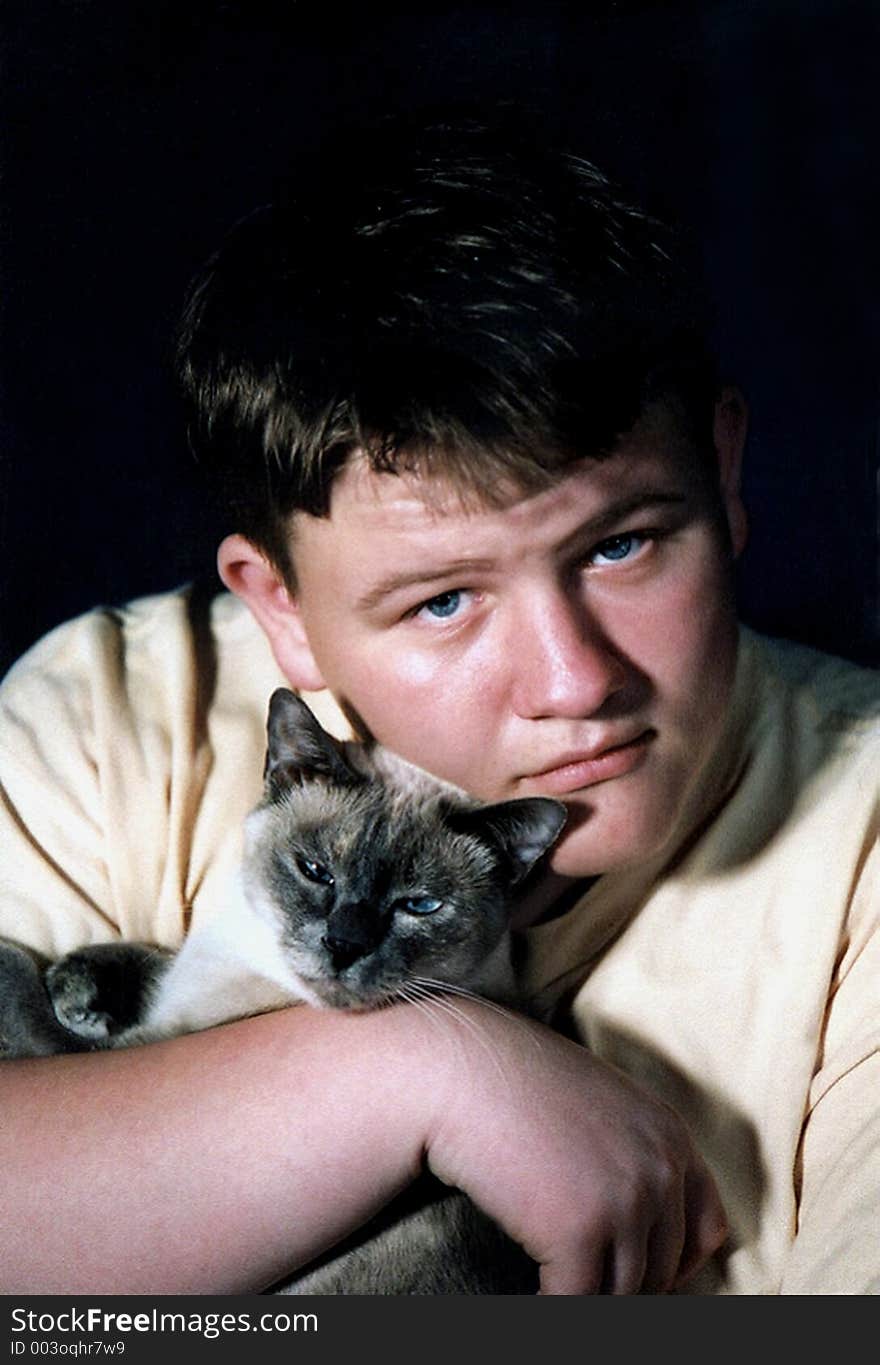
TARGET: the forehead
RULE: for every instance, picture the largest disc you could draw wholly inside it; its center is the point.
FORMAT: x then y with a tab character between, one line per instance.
371	512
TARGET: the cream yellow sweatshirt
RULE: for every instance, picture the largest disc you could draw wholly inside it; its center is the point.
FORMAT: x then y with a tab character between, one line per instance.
738	976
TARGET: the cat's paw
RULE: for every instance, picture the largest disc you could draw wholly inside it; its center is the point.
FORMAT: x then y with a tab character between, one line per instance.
101	991
75	991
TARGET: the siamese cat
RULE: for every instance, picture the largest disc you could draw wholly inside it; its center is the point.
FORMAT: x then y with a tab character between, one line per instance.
363	881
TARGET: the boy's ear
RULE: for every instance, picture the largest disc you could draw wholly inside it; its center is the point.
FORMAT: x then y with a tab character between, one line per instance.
730	429
251	576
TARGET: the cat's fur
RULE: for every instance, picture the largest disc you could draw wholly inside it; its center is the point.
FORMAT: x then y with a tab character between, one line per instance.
363	881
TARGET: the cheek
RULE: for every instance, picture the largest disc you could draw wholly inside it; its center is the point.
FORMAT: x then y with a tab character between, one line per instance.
415	672
703	634
451	729
429	711
401	684
684	637
620	829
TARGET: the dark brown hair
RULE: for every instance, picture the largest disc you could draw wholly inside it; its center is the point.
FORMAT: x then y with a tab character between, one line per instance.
453	296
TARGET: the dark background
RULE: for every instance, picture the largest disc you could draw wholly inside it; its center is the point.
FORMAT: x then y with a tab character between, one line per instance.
136	132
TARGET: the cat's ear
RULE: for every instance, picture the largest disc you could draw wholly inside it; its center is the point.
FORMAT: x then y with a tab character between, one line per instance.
522	830
300	748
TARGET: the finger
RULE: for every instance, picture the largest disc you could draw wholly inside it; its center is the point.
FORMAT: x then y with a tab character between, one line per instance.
625	1268
666	1244
616	1270
579	1273
706	1223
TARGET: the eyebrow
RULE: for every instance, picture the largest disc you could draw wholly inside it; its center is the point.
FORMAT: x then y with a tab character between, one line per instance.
453	568
409	578
622	510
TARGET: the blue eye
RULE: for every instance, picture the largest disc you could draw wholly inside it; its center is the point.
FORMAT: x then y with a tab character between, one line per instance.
419	905
618	548
444	605
315	872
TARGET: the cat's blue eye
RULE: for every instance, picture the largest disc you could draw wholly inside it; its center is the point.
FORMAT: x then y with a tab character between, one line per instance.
618	548
419	905
315	872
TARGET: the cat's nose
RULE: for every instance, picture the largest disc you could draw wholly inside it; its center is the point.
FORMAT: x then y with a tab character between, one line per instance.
353	931
343	951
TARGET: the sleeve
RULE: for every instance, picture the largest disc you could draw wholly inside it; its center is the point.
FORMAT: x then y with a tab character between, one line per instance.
837	1243
54	888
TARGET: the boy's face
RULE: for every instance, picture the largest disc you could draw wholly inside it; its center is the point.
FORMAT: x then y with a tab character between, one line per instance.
576	643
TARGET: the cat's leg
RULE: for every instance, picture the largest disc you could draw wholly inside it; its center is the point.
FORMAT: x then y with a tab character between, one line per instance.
102	992
431	1240
28	1024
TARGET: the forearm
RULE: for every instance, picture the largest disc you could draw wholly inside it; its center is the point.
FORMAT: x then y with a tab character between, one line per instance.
213	1163
220	1162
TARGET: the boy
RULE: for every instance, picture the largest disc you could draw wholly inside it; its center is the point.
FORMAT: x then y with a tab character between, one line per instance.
483	490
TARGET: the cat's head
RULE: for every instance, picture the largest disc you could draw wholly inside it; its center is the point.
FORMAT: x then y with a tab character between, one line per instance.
378	877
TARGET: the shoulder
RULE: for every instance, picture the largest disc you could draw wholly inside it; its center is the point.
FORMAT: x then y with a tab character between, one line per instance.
97	643
820	713
124	706
131	739
835	683
789	815
800	828
145	655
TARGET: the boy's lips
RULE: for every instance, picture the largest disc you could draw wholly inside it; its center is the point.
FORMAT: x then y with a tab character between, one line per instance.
572	771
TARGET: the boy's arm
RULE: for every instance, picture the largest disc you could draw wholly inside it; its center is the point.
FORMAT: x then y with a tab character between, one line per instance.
218	1162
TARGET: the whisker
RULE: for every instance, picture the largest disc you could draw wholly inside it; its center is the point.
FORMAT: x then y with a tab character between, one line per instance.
439	1001
435	1004
422	1001
464	992
451	988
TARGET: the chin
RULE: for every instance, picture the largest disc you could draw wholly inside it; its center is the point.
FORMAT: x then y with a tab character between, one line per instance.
601	841
579	863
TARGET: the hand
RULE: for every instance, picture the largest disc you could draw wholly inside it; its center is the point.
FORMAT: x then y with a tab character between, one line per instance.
596	1179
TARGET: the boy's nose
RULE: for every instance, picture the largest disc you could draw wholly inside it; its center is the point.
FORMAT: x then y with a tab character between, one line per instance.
565	665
